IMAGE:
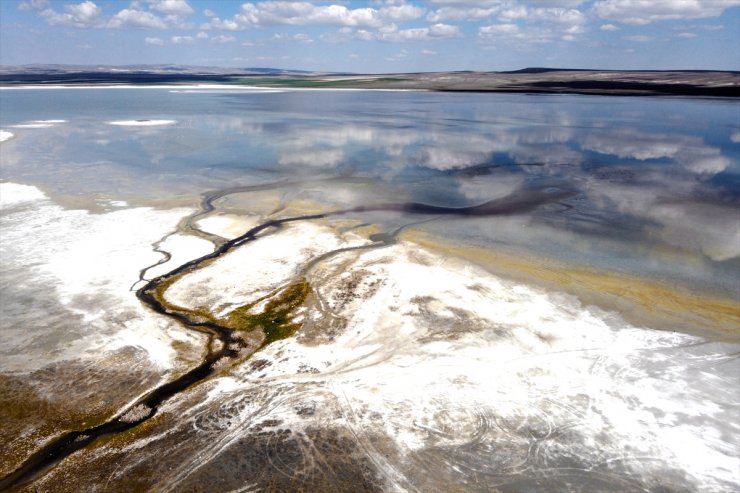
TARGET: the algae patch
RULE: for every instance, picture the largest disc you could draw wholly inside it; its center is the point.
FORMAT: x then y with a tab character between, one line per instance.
277	318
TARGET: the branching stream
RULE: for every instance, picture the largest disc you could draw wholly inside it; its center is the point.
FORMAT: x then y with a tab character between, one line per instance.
226	343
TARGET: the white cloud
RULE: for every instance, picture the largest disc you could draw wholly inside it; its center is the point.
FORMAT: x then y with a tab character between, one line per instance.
401	13
444	31
85	14
642	12
555	3
182	40
401	55
461	13
496	30
136	19
171	7
468	3
609	27
558	15
300	38
222	39
535	25
298	13
33	5
428	52
209	13
639	38
153	41
686	35
392	34
202	35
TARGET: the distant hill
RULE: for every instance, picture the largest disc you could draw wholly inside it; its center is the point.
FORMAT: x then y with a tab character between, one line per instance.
527	80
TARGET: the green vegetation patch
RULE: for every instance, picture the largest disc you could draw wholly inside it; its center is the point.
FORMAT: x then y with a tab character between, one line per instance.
276	320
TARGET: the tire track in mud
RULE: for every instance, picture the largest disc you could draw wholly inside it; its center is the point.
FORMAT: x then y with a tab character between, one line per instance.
229	346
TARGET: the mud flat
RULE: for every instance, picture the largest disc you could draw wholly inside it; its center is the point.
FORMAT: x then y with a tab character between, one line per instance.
410	291
73	332
392	368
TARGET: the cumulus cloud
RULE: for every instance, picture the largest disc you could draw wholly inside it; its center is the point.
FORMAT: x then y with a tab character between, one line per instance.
609	27
642	12
33	5
639	38
300	38
85	14
153	41
171	7
391	33
223	39
138	19
495	30
281	12
182	40
529	25
461	13
88	14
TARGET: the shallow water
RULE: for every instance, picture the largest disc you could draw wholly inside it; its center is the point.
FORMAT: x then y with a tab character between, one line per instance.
510	346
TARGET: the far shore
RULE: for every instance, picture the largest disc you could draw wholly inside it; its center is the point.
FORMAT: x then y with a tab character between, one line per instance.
724	84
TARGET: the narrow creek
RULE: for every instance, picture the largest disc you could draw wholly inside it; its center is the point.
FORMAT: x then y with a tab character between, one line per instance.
226	342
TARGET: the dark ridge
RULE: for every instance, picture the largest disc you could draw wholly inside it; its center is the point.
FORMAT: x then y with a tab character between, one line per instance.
544	70
651	87
110	78
608	88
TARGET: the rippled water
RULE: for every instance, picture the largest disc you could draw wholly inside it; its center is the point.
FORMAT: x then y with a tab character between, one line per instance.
511	351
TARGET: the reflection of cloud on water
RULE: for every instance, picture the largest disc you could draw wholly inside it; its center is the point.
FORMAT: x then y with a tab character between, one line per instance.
546	154
446	159
712	229
687	150
489	187
666	196
322	158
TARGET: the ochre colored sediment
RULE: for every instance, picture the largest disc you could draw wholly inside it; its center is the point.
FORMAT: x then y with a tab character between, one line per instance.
639	301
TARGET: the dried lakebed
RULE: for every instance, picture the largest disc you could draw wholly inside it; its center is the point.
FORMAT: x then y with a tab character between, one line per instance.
398	291
325	284
243	331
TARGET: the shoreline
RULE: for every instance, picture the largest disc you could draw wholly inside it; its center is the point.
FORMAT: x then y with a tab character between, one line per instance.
682	83
335	315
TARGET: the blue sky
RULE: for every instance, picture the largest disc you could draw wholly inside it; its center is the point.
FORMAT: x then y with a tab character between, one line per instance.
375	35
